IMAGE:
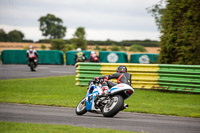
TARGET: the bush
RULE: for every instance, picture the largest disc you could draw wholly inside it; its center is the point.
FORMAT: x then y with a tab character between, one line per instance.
43	47
57	44
70	47
114	48
123	48
96	47
104	49
137	48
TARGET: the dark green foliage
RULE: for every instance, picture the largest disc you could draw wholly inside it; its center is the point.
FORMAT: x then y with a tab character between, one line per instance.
114	48
57	44
79	38
27	40
96	47
43	47
15	36
3	36
51	26
104	49
69	47
180	42
12	36
123	48
137	48
145	43
44	41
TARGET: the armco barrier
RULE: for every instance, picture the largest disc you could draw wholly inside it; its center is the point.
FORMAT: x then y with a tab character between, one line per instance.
20	57
146	76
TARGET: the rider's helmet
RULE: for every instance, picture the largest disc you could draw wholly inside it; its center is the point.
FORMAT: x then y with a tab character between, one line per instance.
78	49
121	69
31	47
93	52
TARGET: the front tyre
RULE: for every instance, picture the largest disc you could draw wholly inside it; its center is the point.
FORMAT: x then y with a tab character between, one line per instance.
113	106
81	108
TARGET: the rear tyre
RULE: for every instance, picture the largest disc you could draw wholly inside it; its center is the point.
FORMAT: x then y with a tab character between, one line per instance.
32	66
114	106
81	107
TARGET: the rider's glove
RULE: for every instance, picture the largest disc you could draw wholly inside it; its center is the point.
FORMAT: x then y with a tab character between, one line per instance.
96	78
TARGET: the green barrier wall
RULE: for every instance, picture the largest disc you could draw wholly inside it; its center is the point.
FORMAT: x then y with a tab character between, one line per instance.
113	57
70	55
51	57
14	57
144	58
19	57
146	76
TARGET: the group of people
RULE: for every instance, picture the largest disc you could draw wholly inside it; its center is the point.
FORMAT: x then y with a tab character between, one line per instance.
80	56
121	75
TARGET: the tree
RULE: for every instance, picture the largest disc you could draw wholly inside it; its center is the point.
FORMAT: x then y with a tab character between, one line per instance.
3	36
180	29
15	36
51	26
79	38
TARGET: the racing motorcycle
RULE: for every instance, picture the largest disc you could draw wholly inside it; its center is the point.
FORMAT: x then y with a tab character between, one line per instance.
95	59
109	105
33	63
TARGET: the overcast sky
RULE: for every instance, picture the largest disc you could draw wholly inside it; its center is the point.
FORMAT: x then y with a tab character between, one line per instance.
102	19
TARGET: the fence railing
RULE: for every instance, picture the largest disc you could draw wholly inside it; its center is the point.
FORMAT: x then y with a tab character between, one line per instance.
146	76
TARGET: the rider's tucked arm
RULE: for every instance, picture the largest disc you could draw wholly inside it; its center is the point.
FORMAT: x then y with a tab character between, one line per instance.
113	76
36	55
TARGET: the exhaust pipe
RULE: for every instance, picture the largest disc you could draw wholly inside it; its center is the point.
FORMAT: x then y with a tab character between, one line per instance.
125	106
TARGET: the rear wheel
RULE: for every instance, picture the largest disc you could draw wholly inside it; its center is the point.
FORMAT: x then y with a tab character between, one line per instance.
113	106
32	67
81	107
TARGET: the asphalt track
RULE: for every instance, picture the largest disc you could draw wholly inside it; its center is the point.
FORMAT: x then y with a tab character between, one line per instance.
122	121
23	71
61	115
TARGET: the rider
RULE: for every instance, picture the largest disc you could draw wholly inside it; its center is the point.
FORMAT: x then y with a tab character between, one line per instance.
32	53
80	56
93	56
121	75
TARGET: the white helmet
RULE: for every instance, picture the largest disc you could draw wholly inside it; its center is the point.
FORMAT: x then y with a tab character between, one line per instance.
93	52
78	49
31	47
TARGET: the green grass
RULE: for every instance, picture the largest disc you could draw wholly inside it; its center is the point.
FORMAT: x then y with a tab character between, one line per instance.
62	91
12	127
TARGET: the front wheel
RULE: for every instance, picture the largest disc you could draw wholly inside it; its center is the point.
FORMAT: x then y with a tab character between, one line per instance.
81	107
114	105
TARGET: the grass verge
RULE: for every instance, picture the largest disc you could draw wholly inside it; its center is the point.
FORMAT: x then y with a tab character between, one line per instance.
62	91
13	127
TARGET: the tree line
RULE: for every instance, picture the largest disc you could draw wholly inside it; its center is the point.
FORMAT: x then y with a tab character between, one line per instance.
12	36
179	24
53	29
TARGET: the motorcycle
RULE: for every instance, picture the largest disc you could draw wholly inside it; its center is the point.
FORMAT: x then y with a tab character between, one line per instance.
109	105
95	59
32	63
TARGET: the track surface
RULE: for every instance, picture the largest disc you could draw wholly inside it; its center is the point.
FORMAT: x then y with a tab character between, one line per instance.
122	121
23	71
60	115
